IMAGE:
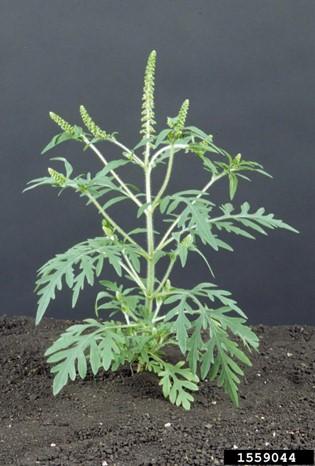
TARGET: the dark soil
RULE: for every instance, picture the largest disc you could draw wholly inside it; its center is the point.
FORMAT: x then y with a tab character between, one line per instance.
124	420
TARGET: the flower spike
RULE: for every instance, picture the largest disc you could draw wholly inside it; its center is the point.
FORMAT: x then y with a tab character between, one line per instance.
63	124
91	125
58	178
147	114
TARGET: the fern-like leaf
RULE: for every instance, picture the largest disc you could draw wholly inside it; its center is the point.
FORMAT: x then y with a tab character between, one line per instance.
177	383
256	221
72	351
76	267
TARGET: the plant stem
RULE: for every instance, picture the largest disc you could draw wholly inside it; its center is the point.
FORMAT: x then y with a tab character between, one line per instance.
126	318
176	147
117	177
166	179
133	273
113	223
167	274
150	236
109	327
157	309
128	151
163	281
149	220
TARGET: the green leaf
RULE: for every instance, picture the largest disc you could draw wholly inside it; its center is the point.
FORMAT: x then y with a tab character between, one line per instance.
182	251
175	382
181	325
233	183
74	344
95	360
237	325
56	140
195	345
161	137
109	348
70	353
207	358
219	361
143	208
211	292
231	228
113	201
67	165
257	221
195	249
82	365
198	132
84	257
112	165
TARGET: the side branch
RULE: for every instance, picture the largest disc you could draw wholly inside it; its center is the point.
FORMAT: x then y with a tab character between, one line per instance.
132	272
176	148
114	224
167	274
128	151
166	179
117	177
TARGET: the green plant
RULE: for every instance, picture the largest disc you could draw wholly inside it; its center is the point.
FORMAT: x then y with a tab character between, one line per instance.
198	320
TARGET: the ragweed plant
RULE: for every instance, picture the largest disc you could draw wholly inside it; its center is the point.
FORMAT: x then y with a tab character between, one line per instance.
133	325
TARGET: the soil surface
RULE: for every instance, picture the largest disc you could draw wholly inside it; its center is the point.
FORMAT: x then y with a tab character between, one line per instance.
120	419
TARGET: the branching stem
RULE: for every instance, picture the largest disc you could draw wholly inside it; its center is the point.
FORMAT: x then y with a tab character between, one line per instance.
167	274
166	179
176	147
117	177
113	223
134	274
128	152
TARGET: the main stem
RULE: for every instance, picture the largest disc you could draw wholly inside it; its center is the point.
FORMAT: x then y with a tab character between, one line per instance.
150	234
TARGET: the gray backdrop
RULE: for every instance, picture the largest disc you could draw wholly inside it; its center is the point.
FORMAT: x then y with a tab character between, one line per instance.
248	67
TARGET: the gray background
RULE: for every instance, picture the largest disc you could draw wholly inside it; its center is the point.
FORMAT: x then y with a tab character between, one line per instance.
248	68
